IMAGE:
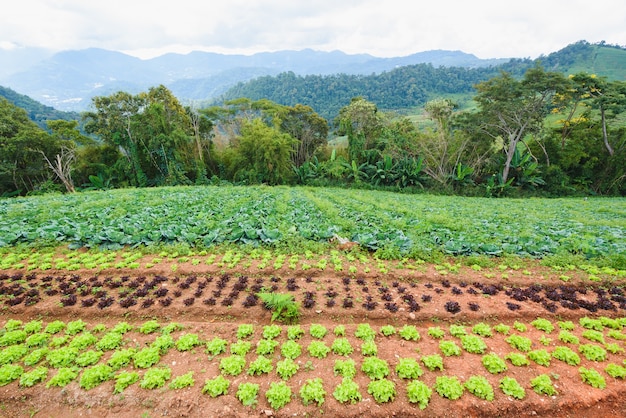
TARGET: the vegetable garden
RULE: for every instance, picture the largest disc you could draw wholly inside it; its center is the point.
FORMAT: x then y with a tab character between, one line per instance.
311	302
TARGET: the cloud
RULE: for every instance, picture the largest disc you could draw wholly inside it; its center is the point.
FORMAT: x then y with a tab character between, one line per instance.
390	28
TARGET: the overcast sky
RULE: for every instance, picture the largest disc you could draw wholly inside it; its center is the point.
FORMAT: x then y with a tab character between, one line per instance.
383	28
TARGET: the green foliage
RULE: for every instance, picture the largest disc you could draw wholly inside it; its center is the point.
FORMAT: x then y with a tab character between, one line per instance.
124	379
566	355
345	368
163	343
260	365
266	347
121	358
541	357
286	368
149	327
592	352
232	365
120	327
13	337
457	331
591	323
88	358
37	340
517	359
54	327
35	356
340	330
12	354
95	375
512	388
436	332
387	330
409	333
592	377
34	326
493	363
294	332
183	381
543	324
313	392
419	393
473	344
482	329
240	348
147	357
342	347
317	331
449	387
520	343
375	368
519	326
216	346
593	335
9	373
369	348
61	357
271	331
433	362
63	377
542	384
449	348
382	390
615	371
365	332
568	337
13	325
408	368
291	349
502	329
244	331
566	325
168	329
216	387
318	349
480	387
31	378
74	327
278	395
247	393
347	391
613	348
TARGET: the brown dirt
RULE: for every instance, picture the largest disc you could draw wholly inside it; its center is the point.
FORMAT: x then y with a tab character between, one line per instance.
574	398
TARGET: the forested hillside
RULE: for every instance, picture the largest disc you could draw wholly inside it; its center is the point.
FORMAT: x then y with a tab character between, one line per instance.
37	112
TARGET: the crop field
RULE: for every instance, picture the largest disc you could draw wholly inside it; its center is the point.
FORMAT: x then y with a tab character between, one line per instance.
278	301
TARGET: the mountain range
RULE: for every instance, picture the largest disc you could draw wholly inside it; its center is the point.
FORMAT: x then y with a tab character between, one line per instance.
67	80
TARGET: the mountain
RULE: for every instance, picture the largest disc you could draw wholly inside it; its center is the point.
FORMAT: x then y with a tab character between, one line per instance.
37	112
68	80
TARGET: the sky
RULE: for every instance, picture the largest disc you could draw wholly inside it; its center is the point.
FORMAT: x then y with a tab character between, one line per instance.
382	28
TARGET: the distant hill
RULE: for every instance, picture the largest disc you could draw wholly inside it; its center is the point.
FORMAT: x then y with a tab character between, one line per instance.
69	79
37	112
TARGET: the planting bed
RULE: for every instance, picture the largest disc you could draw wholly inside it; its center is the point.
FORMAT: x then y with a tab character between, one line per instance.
525	324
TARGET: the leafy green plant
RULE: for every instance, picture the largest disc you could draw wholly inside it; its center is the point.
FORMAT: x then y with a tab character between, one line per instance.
317	331
449	348
13	337
147	357
271	331
566	355
409	333
341	346
31	378
520	343
61	357
240	347
592	377
37	340
247	393
542	385
232	365
375	368
244	331
519	326
566	325
543	324
33	326
387	330
183	381
433	362
369	348
347	391
457	330
58	341
568	337
278	395
313	392
216	387
482	329
95	375
124	379
616	335
517	359
345	368
365	332
63	377
419	393
35	356
12	325
88	358
592	352
383	390
473	344
493	363
590	323
283	306
286	368
12	354
54	327
408	368
216	346
593	335
260	365
9	373
541	357
613	348
340	330
294	332
74	327
616	371
480	387
512	388
436	332
266	347
169	328
110	341
121	327
188	342
449	387
318	349
291	349
502	329
149	327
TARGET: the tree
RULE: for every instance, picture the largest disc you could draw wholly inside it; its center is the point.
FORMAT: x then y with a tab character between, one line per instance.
511	109
362	123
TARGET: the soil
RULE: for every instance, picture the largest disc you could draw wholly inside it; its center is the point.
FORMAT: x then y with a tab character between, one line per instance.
424	297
